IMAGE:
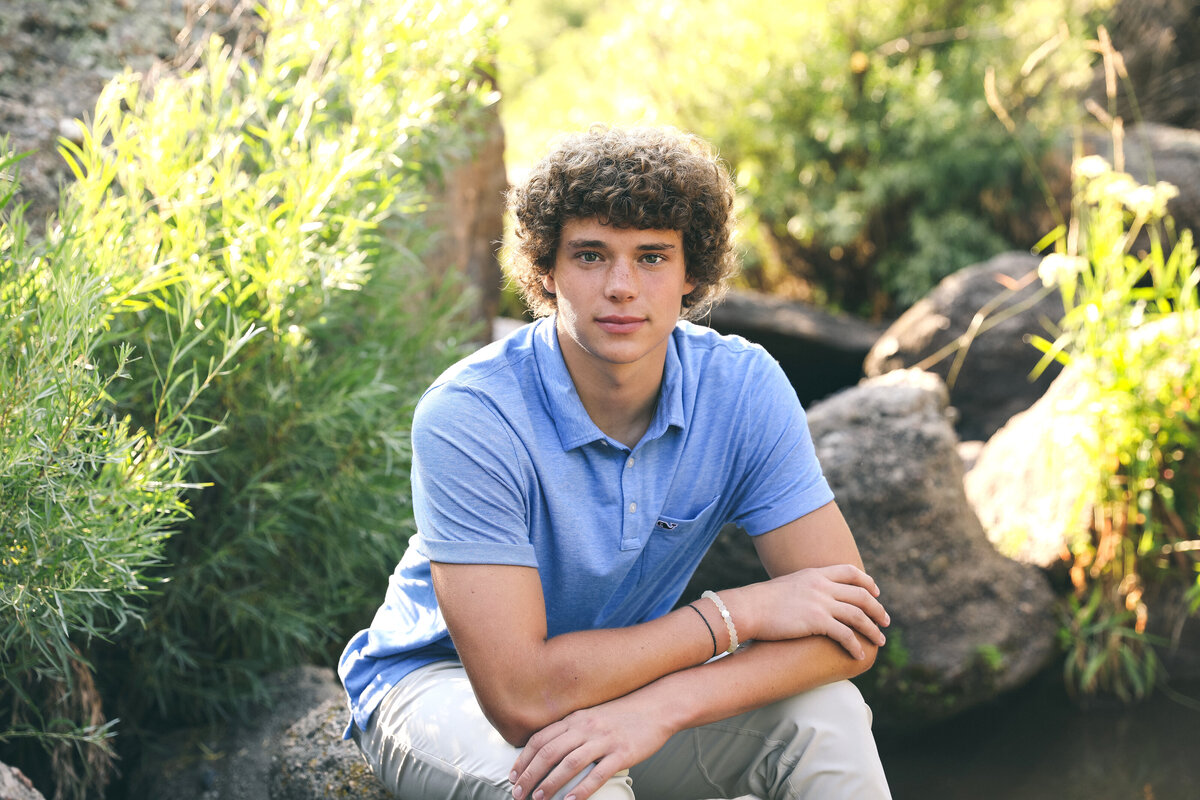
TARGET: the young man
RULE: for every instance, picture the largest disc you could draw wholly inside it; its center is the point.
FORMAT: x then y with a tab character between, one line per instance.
566	482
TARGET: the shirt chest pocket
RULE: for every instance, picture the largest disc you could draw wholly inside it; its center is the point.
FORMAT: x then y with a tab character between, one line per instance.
668	525
677	543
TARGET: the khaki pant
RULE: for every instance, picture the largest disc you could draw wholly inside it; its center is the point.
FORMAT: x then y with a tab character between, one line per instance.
429	740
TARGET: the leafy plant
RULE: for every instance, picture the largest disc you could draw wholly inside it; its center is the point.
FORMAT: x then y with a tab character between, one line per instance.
207	370
1132	316
285	188
90	497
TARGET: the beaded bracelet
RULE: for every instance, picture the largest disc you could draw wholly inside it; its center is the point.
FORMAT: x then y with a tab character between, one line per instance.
710	630
733	640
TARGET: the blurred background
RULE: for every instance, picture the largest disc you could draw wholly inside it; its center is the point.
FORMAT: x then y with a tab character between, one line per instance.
238	239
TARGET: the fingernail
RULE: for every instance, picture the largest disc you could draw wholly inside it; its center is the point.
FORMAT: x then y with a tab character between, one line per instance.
512	776
517	792
538	795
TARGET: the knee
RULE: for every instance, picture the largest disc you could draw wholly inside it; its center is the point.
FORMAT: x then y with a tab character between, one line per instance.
835	710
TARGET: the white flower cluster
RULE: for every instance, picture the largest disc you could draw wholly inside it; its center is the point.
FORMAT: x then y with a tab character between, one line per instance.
1103	183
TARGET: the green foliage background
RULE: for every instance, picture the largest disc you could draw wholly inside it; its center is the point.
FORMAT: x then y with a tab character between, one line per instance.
210	365
869	160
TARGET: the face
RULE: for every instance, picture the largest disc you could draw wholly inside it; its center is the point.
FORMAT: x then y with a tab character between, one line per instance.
619	292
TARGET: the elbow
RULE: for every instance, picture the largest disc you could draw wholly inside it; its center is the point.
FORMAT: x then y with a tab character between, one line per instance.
858	666
516	719
513	728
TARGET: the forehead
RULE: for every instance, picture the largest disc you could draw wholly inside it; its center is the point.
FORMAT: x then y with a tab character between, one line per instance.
594	233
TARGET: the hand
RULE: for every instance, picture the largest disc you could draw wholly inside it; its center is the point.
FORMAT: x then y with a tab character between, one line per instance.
613	736
835	601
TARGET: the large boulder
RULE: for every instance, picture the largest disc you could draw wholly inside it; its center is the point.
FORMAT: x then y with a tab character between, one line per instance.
234	762
967	623
820	352
56	56
312	762
992	382
1157	43
1027	480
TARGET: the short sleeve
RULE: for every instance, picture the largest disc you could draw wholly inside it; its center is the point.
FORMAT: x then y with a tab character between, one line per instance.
469	497
781	477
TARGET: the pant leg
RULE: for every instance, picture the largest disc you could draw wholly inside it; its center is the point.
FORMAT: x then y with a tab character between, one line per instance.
429	740
814	746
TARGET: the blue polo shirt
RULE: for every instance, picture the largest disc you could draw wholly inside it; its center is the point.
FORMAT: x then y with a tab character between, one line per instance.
508	468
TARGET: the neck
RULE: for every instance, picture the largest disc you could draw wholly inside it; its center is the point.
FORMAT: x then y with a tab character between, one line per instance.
620	398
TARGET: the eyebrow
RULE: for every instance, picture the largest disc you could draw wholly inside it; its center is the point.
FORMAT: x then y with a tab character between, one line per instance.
601	244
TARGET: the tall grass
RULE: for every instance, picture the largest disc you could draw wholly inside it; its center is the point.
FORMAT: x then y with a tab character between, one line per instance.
1129	284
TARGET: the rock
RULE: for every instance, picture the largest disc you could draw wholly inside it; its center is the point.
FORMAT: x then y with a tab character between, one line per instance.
820	352
56	56
1160	153
1032	482
992	383
1156	39
314	763
1026	480
1029	480
15	786
234	762
967	623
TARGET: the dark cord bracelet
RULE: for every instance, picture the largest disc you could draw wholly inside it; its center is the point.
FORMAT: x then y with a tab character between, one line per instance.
710	630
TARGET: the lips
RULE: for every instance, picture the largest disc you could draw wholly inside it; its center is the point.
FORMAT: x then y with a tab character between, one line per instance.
620	324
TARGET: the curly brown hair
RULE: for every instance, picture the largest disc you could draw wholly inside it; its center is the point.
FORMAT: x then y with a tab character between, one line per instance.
646	178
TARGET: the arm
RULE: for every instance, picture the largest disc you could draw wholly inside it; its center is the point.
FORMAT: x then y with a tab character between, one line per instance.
526	681
800	556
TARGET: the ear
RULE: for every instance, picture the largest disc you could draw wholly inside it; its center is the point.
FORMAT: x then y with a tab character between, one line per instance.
548	282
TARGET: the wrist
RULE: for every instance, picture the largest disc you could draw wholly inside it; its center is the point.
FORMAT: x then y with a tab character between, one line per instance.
740	604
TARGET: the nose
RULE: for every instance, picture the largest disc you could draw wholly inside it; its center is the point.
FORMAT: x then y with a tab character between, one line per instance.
622	281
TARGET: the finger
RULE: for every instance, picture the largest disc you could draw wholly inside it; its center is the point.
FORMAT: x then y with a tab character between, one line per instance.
568	767
600	774
858	620
852	575
534	745
541	765
845	637
861	598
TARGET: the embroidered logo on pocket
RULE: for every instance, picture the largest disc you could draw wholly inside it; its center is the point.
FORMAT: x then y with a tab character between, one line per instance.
666	526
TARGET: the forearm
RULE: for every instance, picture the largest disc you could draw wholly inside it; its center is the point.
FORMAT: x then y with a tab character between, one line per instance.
756	675
582	669
587	668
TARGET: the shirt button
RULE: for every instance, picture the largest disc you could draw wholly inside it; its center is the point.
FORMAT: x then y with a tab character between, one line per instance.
629	463
632	508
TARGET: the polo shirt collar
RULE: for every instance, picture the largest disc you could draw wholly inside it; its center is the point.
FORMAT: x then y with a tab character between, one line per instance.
575	428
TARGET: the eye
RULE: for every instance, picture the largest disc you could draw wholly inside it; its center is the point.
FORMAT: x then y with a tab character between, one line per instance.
654	258
588	256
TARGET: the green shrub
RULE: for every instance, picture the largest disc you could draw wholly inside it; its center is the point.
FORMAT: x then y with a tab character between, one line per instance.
89	497
1132	319
286	189
858	132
